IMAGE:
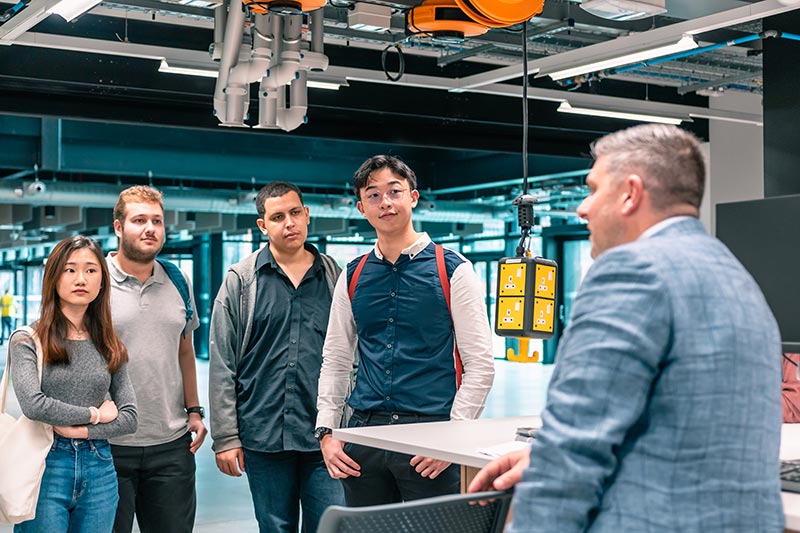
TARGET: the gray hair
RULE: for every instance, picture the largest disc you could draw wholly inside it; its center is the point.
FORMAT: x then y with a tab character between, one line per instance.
667	158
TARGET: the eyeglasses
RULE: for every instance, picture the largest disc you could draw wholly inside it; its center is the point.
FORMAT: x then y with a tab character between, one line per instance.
375	197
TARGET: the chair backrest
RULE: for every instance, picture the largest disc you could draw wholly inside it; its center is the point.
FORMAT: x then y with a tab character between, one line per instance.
456	513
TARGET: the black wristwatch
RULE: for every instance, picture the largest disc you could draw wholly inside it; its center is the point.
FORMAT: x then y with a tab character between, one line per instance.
321	432
196	409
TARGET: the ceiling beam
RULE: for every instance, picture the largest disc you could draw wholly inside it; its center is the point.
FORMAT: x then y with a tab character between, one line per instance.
638	41
95	46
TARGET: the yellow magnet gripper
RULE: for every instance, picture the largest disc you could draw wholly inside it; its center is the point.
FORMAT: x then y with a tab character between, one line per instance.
526	297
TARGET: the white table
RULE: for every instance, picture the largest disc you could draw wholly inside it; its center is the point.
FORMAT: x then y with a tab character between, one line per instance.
458	442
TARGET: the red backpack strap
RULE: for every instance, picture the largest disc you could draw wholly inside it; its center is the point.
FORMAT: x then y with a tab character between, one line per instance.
351	289
445	281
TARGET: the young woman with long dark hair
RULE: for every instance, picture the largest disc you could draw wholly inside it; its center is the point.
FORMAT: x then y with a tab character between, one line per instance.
84	362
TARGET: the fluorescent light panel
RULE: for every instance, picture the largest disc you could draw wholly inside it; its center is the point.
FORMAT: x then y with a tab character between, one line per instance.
330	85
187	70
565	107
69	9
177	68
686	42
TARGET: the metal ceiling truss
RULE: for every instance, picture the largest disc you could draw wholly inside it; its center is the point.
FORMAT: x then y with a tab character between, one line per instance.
548	36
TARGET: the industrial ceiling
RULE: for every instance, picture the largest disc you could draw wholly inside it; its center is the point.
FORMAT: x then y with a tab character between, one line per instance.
85	110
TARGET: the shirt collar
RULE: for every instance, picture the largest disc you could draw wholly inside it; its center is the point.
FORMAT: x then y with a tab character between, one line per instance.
265	257
412	251
655	228
119	275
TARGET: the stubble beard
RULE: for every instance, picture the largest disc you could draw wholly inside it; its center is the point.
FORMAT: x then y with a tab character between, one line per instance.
135	254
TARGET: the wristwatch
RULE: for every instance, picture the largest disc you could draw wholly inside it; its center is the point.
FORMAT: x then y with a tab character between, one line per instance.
321	432
196	409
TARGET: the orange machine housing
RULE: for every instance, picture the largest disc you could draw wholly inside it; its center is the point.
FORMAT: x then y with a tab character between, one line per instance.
264	6
443	18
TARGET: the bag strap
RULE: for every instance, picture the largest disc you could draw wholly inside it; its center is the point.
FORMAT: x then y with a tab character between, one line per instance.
445	281
7	371
176	277
351	289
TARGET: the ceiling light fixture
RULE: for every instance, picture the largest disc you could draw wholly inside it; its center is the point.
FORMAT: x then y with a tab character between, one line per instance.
23	21
317	80
173	67
210	70
69	9
38	10
559	72
565	107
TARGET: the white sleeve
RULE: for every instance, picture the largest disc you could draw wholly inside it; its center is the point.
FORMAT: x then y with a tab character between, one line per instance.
337	357
474	341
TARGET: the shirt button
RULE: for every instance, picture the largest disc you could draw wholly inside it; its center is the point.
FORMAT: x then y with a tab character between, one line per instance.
294	341
291	365
290	389
388	372
389	346
391	320
388	397
392	295
395	417
394	269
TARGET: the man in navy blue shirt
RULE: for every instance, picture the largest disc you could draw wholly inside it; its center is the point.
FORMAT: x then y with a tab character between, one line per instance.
267	330
405	306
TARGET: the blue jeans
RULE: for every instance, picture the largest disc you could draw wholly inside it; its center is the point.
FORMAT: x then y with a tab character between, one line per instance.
281	481
79	489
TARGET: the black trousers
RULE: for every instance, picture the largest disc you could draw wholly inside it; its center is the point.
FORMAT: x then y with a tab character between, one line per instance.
157	484
387	477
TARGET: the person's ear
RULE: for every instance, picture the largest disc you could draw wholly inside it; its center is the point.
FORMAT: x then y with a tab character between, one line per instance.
261	226
360	208
633	194
118	228
414	197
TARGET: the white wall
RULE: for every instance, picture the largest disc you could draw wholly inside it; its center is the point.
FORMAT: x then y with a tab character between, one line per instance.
735	157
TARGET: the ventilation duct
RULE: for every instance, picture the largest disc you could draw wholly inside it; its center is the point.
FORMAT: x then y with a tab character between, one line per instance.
97	195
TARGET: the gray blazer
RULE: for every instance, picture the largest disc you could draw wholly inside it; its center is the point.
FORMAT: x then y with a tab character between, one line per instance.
664	409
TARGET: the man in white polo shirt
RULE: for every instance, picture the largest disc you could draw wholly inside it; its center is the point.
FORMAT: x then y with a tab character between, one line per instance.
155	466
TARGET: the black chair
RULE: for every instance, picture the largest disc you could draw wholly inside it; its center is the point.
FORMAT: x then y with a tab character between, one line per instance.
455	513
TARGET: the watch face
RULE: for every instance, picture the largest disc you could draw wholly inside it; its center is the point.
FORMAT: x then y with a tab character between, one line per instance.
321	432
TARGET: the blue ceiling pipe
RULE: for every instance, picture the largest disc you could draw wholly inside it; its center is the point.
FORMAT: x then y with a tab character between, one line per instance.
680	55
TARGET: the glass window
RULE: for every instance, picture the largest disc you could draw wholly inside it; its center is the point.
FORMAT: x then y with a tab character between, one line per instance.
233	252
577	260
343	253
34	275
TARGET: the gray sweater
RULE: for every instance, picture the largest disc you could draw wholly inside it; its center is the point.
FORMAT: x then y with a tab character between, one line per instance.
67	391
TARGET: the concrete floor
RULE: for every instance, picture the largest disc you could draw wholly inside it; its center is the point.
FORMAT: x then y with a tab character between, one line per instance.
224	504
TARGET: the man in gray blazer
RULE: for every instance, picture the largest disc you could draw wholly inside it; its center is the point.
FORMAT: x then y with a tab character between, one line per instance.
664	409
